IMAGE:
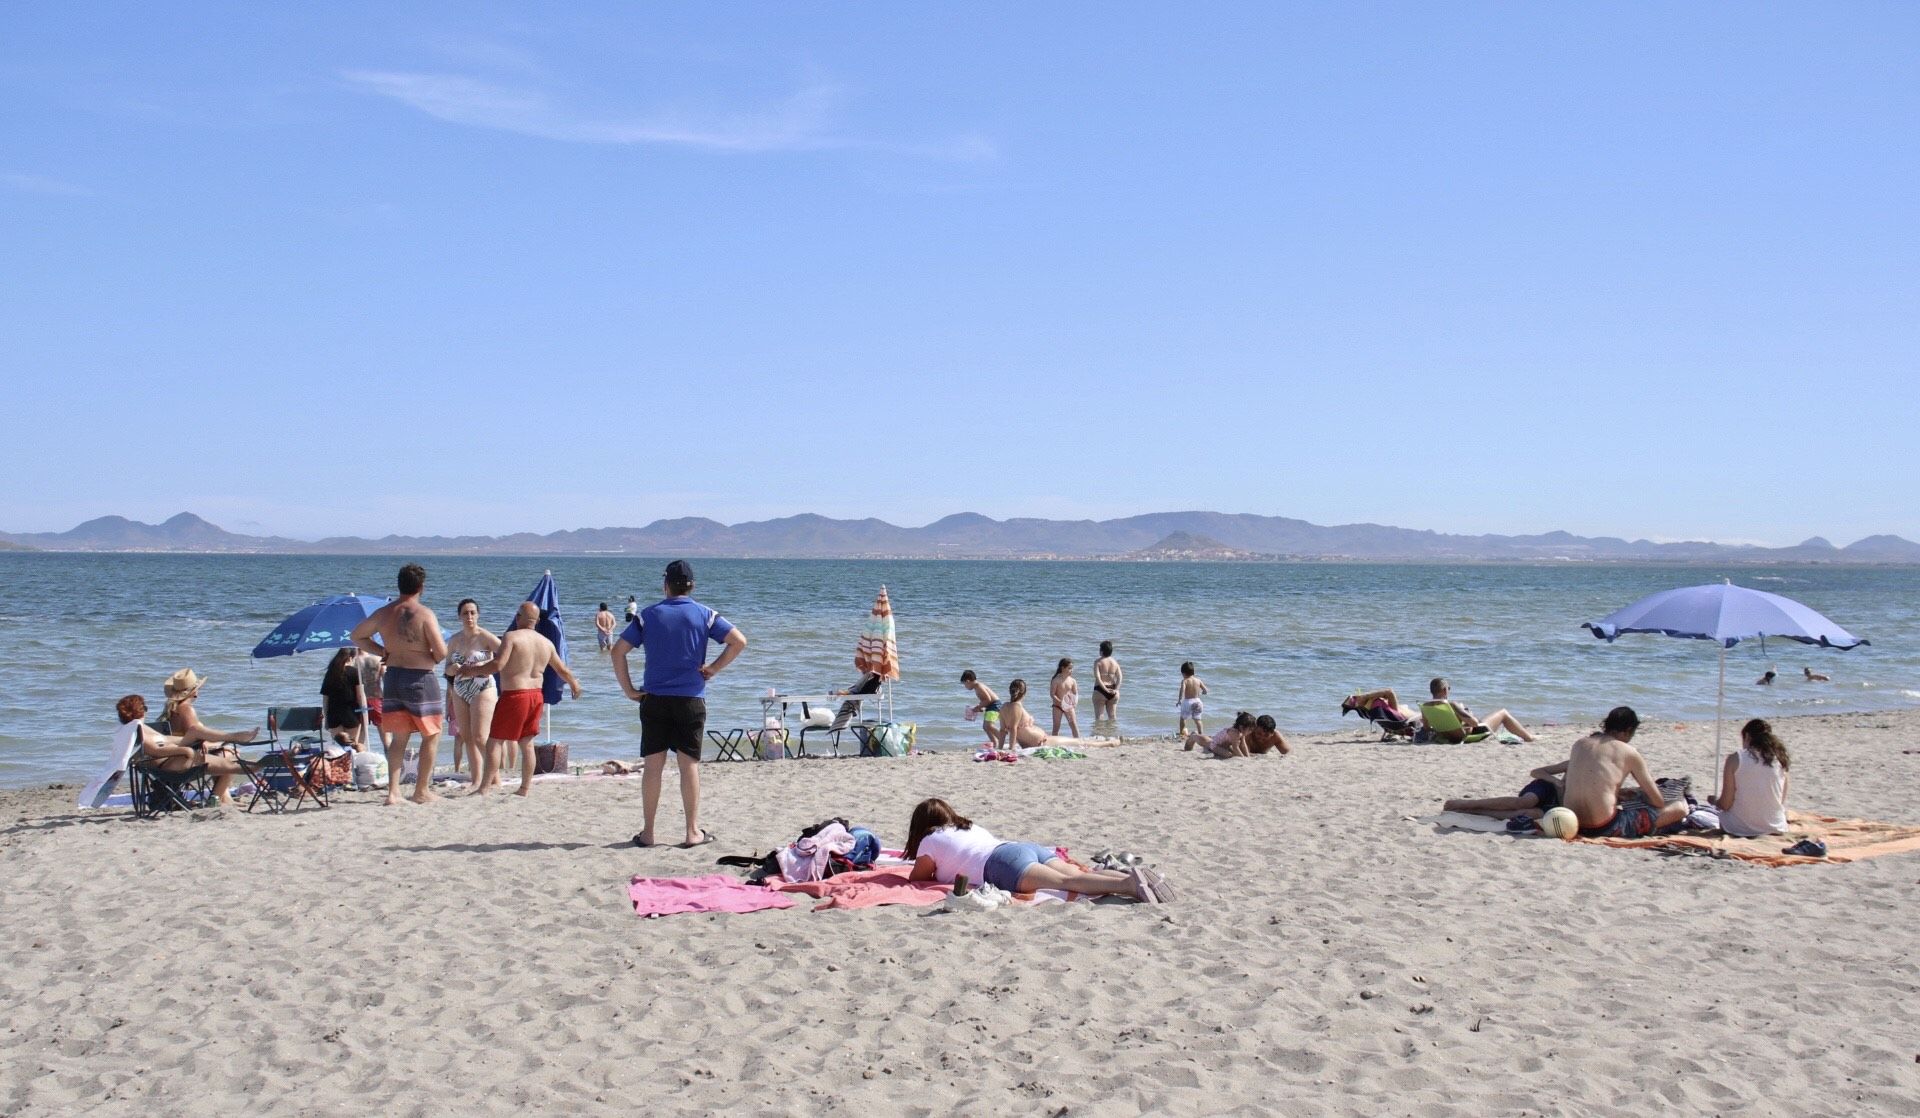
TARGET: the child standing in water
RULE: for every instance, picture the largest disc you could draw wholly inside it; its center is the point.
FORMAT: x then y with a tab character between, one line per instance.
986	705
1191	688
1065	692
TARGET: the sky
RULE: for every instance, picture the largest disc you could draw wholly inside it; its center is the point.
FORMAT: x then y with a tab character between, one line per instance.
1625	269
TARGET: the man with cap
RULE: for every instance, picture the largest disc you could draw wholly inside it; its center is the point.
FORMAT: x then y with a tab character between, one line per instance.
673	635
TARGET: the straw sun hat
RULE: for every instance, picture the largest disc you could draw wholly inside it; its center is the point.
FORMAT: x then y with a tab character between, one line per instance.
183	683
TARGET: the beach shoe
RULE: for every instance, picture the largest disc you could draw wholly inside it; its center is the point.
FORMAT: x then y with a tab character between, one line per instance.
1149	887
1521	824
1807	848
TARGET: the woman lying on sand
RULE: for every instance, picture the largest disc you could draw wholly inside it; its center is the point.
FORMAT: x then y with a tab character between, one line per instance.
945	845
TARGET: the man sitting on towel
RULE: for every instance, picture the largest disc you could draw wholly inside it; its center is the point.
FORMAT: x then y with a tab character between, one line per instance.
1597	770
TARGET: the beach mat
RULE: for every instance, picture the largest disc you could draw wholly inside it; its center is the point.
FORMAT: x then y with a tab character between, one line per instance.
1848	840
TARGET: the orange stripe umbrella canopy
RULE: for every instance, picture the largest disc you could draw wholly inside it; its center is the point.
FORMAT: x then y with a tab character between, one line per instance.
878	652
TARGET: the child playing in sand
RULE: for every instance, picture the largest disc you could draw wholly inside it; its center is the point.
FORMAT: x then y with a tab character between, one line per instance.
987	706
1191	688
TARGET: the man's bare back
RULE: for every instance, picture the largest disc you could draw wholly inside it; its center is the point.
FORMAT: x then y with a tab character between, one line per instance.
524	656
1597	768
410	633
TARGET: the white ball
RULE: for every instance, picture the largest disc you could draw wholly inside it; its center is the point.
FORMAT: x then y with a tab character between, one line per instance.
1561	823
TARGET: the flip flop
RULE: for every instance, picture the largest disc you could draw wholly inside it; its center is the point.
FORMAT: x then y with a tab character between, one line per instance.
1142	889
643	845
706	837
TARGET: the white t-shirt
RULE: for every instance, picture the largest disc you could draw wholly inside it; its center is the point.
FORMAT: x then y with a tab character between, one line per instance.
1759	798
956	852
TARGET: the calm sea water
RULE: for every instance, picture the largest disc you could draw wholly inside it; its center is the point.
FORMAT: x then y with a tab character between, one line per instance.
78	631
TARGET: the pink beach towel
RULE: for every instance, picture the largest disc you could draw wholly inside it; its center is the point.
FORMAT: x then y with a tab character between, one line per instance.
716	892
869	889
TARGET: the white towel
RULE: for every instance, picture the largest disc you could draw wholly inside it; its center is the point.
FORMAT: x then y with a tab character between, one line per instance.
103	786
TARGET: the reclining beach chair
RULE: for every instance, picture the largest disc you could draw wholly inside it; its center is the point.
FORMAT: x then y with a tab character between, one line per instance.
1392	727
1443	725
843	722
294	767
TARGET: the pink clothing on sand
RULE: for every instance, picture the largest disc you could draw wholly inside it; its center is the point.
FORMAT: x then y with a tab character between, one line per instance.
870	889
715	892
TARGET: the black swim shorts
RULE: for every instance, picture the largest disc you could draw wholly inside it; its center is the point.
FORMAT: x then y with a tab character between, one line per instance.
1544	791
672	722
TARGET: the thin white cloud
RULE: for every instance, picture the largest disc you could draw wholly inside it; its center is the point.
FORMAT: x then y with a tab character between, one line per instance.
40	184
800	123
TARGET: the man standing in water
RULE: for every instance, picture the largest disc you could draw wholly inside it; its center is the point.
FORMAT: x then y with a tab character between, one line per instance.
521	662
673	634
603	627
1106	685
410	697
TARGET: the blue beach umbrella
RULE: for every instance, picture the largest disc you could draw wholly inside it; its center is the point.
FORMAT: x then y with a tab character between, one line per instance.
327	623
1726	615
546	596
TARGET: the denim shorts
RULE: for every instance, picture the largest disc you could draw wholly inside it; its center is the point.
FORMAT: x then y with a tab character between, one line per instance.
1010	860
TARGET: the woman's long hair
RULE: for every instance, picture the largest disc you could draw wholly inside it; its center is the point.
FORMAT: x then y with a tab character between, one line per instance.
1016	690
929	816
1759	740
1066	665
337	669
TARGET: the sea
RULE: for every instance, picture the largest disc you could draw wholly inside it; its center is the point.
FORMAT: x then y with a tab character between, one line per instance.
77	631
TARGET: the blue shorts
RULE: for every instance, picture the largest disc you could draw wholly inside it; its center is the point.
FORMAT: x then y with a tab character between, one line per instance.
1011	860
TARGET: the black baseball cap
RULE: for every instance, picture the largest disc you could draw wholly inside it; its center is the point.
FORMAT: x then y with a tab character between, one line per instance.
679	571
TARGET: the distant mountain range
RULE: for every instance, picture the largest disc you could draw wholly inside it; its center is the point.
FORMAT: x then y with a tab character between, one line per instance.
1163	535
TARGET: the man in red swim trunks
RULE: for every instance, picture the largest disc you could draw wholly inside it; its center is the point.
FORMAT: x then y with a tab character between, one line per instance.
521	663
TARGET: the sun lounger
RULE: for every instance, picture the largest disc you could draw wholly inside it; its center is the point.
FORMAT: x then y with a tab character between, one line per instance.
1443	724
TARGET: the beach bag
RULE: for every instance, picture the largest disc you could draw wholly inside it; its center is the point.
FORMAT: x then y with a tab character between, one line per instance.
550	758
331	771
866	848
369	769
891	739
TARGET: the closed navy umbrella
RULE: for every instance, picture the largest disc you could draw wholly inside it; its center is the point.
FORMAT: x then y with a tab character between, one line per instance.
546	596
1726	615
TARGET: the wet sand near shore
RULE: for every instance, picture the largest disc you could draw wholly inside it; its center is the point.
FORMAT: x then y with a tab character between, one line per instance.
1329	953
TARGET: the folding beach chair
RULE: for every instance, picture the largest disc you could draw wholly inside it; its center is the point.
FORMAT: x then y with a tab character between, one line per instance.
729	745
1391	726
156	792
1443	725
292	769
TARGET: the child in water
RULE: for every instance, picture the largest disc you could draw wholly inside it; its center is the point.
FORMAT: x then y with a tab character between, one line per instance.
986	705
1191	688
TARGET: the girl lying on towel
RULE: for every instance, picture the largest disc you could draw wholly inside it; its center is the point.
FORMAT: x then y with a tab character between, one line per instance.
944	845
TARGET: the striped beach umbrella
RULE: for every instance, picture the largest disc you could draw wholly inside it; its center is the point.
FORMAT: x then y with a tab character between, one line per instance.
878	651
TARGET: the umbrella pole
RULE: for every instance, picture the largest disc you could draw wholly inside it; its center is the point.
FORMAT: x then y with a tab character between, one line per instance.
1719	717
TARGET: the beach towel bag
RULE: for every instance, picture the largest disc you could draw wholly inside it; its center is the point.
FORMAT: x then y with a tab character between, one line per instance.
369	769
550	758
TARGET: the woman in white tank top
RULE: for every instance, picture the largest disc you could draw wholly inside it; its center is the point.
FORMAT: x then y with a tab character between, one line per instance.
1753	786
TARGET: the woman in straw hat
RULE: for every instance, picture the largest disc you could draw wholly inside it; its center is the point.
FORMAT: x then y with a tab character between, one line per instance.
183	722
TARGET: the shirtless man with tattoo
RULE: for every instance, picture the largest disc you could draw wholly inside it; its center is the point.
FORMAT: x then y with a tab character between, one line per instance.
521	661
410	691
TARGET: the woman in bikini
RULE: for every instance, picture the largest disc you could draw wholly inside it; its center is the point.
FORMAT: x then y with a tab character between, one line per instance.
471	698
1017	727
183	722
173	754
1065	691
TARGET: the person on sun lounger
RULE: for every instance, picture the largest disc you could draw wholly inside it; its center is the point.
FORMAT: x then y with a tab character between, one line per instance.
1541	795
944	845
1597	770
1470	727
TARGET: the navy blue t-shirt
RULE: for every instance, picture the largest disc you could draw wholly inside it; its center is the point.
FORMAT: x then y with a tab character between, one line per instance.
673	635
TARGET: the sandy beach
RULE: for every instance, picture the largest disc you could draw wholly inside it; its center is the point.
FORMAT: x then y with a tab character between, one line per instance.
1329	954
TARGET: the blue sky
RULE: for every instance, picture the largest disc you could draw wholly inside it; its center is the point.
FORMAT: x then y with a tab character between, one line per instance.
1624	269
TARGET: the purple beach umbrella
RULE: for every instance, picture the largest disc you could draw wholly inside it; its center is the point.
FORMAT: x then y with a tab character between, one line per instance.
1726	615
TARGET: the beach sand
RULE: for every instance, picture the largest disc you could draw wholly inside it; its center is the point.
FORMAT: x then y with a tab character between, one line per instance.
1328	955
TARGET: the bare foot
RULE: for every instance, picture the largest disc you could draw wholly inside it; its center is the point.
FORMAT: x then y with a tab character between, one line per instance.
425	796
480	791
521	791
393	799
